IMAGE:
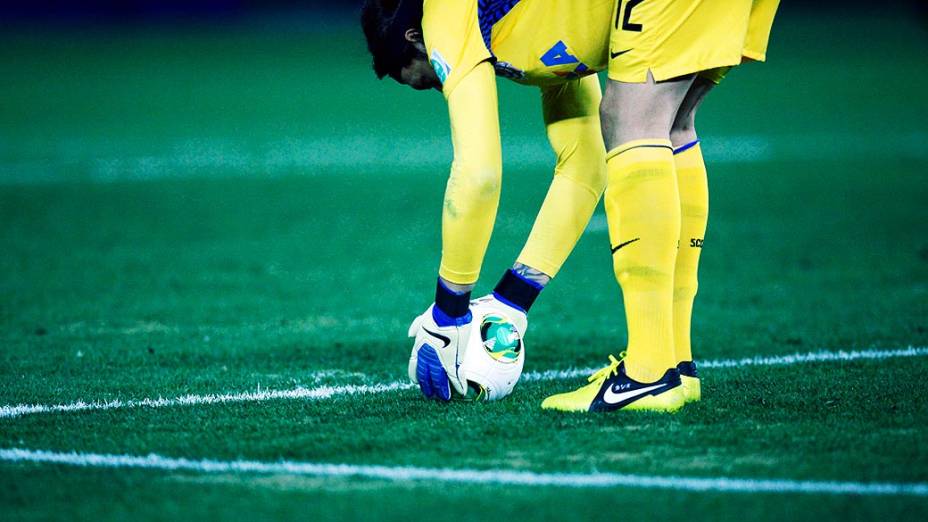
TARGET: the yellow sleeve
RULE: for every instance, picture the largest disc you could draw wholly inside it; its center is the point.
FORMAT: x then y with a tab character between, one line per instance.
571	113
472	193
453	40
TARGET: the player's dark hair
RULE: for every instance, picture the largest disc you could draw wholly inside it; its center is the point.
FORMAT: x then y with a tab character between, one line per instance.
385	23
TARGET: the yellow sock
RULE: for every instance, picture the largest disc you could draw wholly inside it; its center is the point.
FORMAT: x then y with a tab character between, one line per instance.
643	211
694	210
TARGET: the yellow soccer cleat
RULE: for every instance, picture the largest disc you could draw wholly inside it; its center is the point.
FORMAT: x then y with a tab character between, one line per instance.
609	389
692	391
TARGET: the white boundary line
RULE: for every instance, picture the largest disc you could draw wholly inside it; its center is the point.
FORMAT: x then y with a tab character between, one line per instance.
777	360
468	476
327	392
323	392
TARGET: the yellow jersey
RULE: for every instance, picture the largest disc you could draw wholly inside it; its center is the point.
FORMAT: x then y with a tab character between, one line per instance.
536	42
544	42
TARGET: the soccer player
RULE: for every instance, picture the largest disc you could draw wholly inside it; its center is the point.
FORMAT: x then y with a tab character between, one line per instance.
638	142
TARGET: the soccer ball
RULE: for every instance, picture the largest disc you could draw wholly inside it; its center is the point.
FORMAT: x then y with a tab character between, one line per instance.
495	354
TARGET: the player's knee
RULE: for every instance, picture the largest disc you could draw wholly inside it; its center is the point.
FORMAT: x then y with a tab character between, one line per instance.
683	131
608	120
627	120
612	124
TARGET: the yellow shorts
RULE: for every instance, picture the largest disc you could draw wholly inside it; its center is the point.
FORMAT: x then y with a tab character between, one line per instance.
755	43
672	38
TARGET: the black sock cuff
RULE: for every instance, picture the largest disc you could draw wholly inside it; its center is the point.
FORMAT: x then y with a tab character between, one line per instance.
450	302
516	290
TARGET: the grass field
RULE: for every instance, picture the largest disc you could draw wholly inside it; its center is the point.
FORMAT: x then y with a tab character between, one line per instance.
241	210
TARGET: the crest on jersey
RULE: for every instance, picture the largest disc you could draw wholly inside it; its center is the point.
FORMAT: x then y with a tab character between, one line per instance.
442	69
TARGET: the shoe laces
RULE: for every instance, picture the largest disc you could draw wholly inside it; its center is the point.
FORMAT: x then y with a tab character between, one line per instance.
608	371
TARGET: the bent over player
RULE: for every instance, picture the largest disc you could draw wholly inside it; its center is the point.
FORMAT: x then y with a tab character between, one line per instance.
638	142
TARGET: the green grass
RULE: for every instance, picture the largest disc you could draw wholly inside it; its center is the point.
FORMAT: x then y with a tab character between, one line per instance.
160	236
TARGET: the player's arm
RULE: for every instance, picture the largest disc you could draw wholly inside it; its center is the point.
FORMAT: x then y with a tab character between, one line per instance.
472	193
471	198
571	113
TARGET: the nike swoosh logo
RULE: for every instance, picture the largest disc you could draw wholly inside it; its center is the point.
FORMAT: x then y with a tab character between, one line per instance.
440	337
610	397
620	53
620	245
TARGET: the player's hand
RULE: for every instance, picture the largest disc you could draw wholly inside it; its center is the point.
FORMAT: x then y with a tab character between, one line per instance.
437	355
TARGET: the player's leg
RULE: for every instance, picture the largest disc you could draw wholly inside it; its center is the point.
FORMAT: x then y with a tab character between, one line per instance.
643	211
694	190
656	48
643	214
694	211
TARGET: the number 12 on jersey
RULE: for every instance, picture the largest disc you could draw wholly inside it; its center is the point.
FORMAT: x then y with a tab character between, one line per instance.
627	25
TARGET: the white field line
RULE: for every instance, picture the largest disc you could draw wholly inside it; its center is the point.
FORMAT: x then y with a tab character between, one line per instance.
327	392
322	392
777	360
468	476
